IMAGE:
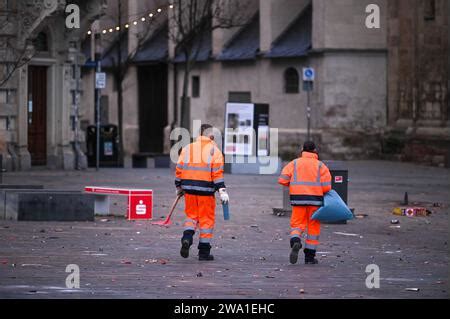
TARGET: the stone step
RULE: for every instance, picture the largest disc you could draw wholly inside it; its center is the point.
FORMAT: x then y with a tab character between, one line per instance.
22	186
47	205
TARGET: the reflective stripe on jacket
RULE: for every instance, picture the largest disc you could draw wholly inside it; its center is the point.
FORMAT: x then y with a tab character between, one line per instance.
200	168
308	180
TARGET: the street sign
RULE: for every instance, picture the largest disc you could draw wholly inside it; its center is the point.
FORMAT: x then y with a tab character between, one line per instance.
309	74
90	64
100	80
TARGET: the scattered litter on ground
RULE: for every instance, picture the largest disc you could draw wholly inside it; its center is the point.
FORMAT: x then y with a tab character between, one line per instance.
262	258
151	261
411	211
126	262
270	277
254	226
199	274
302	291
412	289
104	220
361	216
395	222
34	265
396	226
348	234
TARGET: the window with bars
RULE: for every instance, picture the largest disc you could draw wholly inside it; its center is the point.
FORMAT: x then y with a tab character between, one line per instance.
291	81
41	42
195	86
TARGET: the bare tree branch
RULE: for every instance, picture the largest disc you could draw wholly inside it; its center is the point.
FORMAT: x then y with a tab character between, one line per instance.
194	20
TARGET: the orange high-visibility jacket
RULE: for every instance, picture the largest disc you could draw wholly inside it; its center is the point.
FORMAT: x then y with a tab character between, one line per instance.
308	180
200	168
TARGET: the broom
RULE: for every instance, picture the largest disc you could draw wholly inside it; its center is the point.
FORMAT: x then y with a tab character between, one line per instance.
167	222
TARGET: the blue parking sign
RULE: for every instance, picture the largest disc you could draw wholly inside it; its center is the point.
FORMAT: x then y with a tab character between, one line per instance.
308	74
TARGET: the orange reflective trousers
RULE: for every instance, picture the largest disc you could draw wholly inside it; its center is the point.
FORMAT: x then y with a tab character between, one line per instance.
200	211
301	222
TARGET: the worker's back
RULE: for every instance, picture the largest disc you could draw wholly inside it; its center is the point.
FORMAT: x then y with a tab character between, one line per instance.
308	180
200	167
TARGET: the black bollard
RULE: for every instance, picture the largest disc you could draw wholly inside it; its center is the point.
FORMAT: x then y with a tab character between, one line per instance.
406	200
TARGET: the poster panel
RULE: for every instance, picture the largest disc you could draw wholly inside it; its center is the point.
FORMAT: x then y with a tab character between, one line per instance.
239	135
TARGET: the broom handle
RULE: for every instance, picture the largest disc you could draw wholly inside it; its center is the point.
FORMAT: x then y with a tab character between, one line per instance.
173	206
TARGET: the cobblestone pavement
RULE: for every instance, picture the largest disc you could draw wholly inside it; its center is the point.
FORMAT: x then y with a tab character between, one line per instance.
123	259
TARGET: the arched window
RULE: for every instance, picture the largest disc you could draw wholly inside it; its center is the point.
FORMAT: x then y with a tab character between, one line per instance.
41	42
291	81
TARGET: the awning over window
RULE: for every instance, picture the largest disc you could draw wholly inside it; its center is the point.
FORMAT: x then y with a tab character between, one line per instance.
245	44
155	49
296	41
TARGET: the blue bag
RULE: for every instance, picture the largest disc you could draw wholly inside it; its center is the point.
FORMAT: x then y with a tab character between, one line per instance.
333	210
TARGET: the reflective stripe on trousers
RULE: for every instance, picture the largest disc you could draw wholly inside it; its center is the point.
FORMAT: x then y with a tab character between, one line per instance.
202	209
301	219
190	224
296	232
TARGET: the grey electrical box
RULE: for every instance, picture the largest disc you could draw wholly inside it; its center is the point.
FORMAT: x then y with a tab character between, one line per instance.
339	175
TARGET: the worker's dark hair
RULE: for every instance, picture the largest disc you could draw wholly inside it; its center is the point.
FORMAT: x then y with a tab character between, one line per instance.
204	128
309	146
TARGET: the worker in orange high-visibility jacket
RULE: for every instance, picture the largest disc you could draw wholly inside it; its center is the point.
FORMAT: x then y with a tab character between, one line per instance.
308	180
199	174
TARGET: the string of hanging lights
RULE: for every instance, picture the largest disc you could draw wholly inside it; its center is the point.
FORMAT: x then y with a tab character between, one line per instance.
135	22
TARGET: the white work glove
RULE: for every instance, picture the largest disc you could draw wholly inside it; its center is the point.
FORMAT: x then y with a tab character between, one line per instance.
180	192
224	196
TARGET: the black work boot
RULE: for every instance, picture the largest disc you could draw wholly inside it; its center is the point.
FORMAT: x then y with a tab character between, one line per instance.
310	257
186	243
296	245
204	252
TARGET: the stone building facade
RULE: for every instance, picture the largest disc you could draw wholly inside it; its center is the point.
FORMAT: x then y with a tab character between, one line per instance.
418	72
349	97
379	93
38	94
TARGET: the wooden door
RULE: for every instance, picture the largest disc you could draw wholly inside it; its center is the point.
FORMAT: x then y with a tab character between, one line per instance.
152	107
37	114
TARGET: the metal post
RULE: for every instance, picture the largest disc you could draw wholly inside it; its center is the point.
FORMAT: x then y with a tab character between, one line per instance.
77	108
308	110
97	119
1	169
